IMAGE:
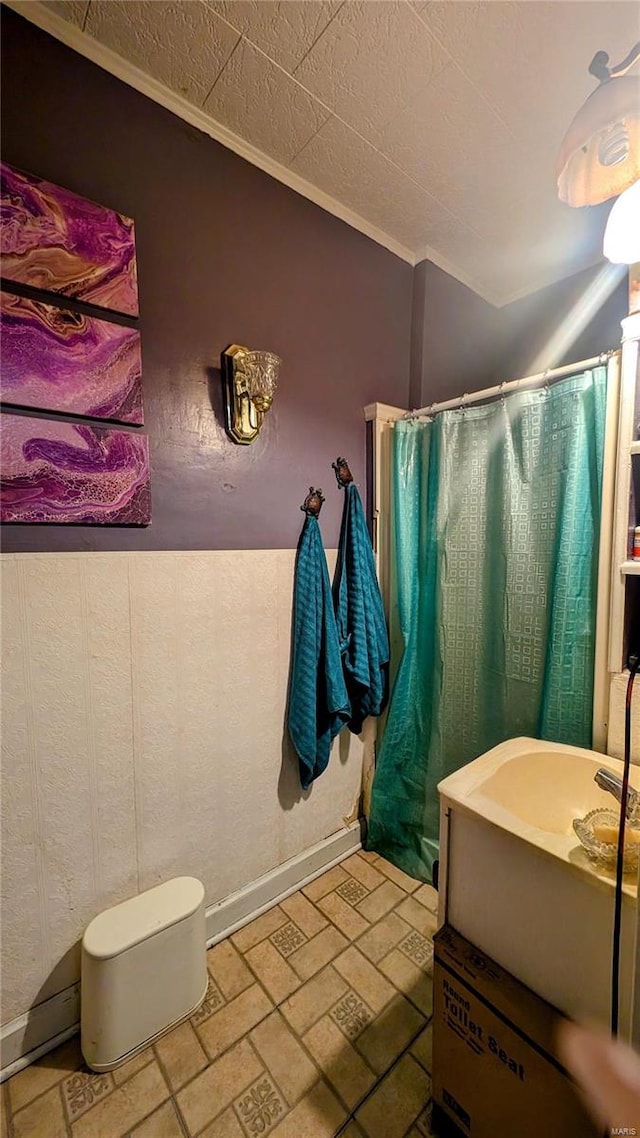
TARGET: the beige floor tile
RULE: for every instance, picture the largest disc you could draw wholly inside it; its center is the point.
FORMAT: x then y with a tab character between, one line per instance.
226	1126
163	1123
42	1118
352	1131
424	1126
319	1115
369	856
409	884
215	1089
319	951
363	871
383	1040
352	891
181	1055
273	971
228	969
397	1102
422	919
261	1106
383	936
132	1066
259	929
324	884
314	999
343	915
408	978
287	938
340	1063
304	914
367	981
234	1020
287	1061
213	1000
48	1071
422	1048
378	903
428	897
418	949
351	1014
84	1089
125	1107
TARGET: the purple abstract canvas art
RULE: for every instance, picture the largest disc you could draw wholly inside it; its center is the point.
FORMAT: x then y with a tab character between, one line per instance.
72	473
54	359
55	240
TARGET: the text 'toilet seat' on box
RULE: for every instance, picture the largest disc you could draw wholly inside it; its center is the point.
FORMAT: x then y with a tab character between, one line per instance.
144	969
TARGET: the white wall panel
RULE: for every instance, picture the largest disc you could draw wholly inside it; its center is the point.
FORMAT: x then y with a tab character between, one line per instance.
26	953
143	737
155	679
105	605
67	813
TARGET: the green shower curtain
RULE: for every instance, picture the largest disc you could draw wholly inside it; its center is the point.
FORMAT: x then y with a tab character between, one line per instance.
495	530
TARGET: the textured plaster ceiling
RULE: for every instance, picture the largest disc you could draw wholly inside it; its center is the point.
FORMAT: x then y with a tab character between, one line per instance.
434	126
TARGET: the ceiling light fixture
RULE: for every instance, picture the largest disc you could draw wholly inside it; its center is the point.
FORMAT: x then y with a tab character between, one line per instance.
600	154
622	234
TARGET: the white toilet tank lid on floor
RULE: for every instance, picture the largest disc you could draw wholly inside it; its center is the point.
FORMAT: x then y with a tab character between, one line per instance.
125	925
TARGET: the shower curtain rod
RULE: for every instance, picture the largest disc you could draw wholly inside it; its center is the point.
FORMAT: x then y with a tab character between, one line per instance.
551	374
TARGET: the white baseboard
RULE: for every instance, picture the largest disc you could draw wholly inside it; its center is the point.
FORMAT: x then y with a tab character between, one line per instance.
44	1027
239	908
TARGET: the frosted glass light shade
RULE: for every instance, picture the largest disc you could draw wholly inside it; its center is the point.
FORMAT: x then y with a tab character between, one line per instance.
622	235
600	155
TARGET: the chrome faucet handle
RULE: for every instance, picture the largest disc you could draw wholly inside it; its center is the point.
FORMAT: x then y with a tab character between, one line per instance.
610	782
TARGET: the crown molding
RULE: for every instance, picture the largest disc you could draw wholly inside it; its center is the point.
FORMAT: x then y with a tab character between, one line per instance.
427	253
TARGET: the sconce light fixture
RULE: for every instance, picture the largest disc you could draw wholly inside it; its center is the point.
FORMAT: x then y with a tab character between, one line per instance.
249	379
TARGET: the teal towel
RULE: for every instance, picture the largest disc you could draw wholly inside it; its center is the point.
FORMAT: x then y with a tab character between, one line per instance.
318	700
362	629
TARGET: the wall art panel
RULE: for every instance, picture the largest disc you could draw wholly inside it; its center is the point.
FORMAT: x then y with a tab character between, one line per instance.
54	471
54	359
55	240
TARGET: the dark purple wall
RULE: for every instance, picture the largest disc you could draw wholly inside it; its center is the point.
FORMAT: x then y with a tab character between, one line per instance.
461	343
225	253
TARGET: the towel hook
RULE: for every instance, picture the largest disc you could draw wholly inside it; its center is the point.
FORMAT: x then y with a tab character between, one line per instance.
343	474
313	502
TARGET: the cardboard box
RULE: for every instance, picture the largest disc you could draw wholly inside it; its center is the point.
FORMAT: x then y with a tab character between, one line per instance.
495	1069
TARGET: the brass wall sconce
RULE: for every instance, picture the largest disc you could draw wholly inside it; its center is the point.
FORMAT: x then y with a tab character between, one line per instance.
249	380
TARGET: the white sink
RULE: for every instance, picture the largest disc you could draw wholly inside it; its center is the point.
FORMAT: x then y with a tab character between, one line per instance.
516	881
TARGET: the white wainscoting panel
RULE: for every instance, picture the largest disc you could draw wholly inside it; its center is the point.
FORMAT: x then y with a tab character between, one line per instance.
143	705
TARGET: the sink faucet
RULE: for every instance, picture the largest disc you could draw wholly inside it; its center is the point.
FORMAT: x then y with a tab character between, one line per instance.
610	782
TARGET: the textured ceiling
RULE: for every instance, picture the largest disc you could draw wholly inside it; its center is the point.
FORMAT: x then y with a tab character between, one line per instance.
434	126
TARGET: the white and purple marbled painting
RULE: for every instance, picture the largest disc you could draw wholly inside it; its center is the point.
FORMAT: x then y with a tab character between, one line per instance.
57	360
55	240
72	473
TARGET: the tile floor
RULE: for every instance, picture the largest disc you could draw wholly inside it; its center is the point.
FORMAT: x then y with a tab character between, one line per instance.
315	1024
